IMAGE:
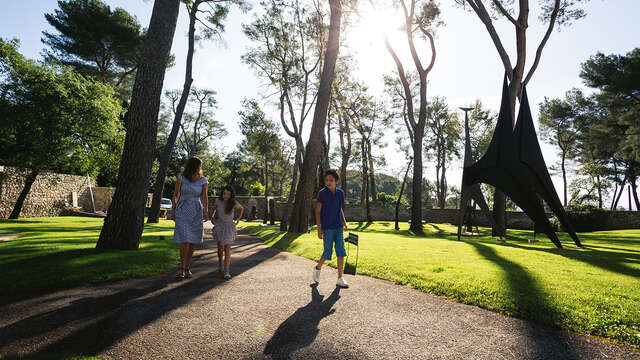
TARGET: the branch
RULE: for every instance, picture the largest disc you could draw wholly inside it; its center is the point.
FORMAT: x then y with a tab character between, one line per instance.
504	12
433	49
543	42
482	13
284	123
403	80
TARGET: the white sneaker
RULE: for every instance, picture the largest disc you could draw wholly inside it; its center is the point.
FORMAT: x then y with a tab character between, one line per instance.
342	283
316	274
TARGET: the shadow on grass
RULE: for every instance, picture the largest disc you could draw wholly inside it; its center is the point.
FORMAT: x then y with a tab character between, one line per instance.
529	303
614	261
93	324
301	328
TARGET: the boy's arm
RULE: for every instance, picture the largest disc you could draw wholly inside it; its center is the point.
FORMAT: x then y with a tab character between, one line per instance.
344	221
319	225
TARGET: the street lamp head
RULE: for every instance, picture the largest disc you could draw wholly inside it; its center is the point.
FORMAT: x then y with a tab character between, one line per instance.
465	109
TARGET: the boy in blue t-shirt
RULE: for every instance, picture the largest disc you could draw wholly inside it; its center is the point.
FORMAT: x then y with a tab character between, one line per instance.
330	220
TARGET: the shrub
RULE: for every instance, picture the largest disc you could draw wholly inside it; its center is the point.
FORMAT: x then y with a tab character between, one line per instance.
385	198
585	218
256	189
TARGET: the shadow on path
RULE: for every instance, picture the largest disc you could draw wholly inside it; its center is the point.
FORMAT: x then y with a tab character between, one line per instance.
95	323
301	328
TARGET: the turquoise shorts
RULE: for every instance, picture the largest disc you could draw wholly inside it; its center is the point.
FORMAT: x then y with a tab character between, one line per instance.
331	237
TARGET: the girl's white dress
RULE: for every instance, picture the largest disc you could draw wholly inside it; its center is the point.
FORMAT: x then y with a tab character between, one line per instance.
225	229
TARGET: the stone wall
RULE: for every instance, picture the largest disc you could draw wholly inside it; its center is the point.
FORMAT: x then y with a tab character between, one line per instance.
101	196
615	220
249	202
50	194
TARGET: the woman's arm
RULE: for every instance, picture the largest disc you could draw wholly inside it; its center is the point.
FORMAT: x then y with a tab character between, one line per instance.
240	208
175	198
204	198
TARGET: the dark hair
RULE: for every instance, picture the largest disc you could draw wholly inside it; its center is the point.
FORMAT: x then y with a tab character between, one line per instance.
193	167
228	205
333	173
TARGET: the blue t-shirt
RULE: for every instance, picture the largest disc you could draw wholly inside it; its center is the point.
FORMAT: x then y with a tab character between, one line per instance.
331	205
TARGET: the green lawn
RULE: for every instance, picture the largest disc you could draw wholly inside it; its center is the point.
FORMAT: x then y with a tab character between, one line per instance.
60	252
593	291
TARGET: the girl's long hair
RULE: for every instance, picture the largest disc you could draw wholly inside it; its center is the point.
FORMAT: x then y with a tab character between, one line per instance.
193	168
228	205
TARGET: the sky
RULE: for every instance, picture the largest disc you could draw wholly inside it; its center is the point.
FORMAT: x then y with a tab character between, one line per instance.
467	65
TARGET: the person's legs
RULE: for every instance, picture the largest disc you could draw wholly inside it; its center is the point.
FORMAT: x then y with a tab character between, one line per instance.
341	252
183	248
189	255
220	253
227	257
327	243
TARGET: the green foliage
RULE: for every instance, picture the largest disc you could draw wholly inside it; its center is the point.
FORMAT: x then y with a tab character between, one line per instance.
256	189
481	124
261	135
96	41
55	119
590	291
384	198
60	252
584	217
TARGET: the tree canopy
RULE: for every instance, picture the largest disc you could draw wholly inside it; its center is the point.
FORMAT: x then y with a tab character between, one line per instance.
96	40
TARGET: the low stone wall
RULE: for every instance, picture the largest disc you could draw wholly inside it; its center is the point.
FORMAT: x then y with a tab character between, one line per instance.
50	194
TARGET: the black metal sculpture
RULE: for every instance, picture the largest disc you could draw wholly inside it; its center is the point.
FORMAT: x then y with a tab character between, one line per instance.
473	191
514	164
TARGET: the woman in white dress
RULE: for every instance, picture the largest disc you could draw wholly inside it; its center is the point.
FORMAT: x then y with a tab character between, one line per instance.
190	210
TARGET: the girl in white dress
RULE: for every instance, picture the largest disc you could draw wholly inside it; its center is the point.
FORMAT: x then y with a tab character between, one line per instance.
189	212
224	230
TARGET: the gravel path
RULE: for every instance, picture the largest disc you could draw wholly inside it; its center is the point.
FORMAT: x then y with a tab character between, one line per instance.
269	310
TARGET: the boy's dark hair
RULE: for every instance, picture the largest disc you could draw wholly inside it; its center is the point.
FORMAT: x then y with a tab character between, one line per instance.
333	173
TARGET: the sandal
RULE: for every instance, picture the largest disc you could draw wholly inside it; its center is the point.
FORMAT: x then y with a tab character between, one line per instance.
180	275
187	273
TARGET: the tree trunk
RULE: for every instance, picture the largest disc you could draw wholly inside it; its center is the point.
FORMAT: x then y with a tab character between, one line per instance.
443	185
613	199
615	204
634	189
499	215
416	201
165	157
28	182
364	180
371	174
564	179
404	181
599	191
302	207
343	177
125	221
267	210
292	190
